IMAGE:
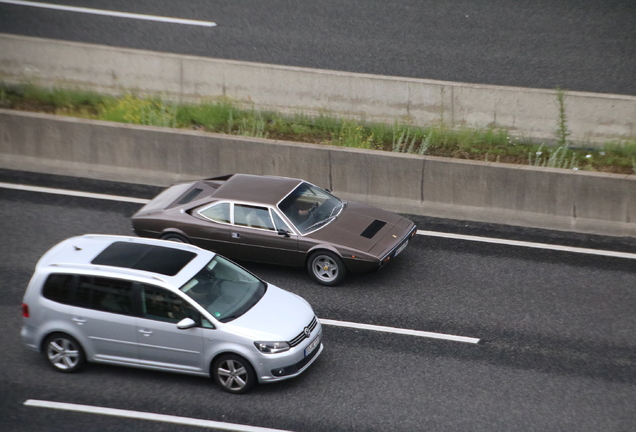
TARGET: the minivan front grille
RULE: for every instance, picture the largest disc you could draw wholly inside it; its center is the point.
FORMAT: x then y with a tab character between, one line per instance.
373	228
302	336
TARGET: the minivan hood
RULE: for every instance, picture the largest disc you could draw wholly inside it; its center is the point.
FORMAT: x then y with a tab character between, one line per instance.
278	316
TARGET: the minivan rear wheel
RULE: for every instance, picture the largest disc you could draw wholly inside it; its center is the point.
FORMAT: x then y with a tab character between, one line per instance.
234	374
64	353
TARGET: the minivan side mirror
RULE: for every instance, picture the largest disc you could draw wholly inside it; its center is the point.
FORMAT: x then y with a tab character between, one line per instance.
186	323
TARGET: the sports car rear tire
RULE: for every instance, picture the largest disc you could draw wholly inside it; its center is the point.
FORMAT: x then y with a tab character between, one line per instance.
175	238
326	268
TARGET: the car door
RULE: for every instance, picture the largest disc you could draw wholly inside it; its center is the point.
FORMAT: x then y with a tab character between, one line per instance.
259	234
209	227
103	313
161	343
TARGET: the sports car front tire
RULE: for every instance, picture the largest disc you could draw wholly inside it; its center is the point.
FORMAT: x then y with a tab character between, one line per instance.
326	268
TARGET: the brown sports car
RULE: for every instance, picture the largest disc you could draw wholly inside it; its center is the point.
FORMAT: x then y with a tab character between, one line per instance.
276	220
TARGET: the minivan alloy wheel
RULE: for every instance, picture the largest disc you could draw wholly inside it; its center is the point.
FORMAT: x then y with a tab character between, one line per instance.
64	353
234	374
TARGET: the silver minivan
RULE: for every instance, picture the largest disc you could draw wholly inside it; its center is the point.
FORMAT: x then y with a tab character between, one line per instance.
166	306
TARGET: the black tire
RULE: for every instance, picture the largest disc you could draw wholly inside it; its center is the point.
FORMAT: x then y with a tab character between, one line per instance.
174	237
233	374
326	268
64	353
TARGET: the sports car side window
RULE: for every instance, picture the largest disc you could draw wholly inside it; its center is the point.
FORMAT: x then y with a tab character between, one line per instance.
252	216
280	224
218	213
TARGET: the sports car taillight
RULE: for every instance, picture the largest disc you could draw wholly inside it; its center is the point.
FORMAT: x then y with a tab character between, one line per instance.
25	310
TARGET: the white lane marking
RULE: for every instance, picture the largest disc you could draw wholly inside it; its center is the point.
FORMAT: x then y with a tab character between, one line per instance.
529	244
598	252
324	321
140	415
399	331
73	193
419	232
111	13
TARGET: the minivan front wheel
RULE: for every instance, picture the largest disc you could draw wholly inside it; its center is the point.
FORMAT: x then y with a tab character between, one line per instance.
64	353
234	374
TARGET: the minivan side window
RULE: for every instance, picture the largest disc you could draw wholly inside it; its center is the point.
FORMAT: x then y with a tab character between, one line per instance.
105	294
162	305
58	288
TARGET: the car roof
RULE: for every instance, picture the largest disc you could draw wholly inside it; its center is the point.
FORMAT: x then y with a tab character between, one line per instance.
259	189
127	257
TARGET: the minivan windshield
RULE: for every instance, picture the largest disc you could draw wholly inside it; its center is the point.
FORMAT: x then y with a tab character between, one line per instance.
309	207
225	289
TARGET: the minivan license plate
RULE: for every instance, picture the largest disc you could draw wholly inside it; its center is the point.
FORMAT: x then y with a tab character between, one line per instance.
312	346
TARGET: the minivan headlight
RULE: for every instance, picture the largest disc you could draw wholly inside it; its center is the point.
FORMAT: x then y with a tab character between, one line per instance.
271	347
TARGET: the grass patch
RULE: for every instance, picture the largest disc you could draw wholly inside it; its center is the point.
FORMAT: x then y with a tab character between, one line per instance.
224	116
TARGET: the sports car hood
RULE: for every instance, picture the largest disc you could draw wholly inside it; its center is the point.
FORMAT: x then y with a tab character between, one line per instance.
362	227
278	316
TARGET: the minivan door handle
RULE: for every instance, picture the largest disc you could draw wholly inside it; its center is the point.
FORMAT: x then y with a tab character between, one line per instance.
145	332
79	321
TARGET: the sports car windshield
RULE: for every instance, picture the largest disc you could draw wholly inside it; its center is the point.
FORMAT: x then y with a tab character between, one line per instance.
309	207
224	289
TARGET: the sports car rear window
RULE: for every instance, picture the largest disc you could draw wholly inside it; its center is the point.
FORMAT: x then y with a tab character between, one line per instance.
157	259
191	195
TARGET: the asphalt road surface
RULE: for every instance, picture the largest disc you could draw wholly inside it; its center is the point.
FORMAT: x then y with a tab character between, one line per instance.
558	330
585	45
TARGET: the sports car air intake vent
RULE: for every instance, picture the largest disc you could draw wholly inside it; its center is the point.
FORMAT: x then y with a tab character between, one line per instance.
373	228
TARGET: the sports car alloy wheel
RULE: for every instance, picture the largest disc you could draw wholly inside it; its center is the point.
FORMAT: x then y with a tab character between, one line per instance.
64	353
234	374
326	268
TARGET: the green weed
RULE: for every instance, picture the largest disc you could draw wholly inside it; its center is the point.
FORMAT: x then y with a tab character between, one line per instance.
224	116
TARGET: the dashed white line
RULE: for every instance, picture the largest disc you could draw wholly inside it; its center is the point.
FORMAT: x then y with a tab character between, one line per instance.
111	13
140	415
324	321
72	192
399	331
419	232
529	244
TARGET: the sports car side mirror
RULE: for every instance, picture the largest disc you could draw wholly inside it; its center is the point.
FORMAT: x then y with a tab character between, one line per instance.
282	232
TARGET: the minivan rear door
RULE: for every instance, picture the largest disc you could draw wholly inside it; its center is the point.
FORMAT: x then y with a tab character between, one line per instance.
103	314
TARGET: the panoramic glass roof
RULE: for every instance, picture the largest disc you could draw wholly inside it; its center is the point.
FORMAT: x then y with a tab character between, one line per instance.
156	259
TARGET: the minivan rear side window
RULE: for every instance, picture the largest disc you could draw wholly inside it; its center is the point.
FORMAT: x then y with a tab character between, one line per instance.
58	288
105	294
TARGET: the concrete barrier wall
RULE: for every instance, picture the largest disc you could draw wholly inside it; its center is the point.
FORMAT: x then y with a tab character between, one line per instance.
467	190
592	118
